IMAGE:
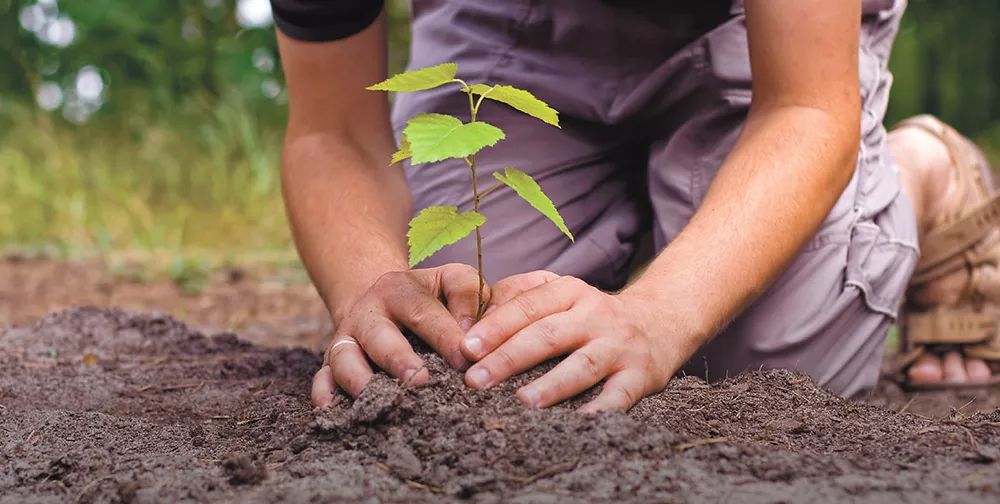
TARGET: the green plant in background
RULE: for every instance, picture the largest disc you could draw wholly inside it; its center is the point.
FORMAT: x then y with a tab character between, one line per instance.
190	275
429	138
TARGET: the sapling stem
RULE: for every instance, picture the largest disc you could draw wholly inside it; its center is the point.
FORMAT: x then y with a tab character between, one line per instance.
471	160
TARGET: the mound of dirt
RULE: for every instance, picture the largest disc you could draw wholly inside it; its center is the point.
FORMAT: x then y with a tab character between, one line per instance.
108	406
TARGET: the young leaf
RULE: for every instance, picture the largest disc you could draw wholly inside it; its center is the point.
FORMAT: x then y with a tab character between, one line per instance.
403	152
434	137
437	226
418	80
528	189
520	100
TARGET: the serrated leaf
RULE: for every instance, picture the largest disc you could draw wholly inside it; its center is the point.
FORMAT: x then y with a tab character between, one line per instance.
418	80
434	137
403	152
528	189
437	226
520	100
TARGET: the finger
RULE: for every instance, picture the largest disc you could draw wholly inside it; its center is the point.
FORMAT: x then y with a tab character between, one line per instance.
508	288
520	312
348	367
619	393
322	388
550	337
428	318
385	345
460	287
583	369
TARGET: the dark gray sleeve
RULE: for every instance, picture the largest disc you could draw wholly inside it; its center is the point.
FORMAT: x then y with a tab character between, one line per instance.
324	20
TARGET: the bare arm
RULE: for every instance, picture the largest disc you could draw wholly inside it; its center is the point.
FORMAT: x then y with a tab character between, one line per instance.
348	208
349	211
795	156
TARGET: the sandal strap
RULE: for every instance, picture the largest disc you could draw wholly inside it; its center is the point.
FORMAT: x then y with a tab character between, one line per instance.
944	326
989	351
952	240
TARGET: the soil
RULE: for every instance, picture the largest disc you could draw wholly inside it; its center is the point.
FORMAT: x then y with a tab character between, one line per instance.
266	305
103	405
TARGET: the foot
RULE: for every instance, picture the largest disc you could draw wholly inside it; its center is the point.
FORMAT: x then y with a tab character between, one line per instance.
953	368
925	171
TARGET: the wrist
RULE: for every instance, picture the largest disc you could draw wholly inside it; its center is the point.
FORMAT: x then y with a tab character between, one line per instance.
670	319
343	297
342	282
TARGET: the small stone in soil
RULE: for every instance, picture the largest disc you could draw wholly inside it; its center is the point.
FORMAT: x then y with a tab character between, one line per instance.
403	462
242	470
299	443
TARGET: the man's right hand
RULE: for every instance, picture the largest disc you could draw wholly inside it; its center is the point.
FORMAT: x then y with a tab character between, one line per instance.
410	299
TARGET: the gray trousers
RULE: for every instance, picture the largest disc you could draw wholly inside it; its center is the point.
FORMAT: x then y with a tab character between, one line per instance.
652	96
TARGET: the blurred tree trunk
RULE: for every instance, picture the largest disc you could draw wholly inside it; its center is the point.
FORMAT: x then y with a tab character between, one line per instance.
18	78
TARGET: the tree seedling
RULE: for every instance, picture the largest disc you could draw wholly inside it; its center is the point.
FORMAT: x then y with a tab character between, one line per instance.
430	138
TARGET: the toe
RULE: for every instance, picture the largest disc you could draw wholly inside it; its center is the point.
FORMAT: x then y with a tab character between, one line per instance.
954	368
927	369
978	371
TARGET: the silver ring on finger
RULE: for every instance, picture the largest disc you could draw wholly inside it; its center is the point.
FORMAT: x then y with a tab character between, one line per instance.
347	340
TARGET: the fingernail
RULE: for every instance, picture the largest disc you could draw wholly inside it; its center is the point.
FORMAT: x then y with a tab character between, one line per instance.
409	374
474	346
530	395
324	402
479	377
467	324
458	360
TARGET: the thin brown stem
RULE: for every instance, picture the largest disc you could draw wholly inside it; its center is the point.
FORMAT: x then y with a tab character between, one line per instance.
479	239
475	201
494	187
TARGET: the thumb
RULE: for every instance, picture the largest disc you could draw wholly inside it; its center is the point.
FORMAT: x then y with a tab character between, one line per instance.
460	289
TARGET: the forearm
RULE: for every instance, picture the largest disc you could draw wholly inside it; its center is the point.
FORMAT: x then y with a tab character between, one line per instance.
772	194
348	212
347	207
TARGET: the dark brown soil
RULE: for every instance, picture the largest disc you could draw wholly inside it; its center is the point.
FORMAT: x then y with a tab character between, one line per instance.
106	406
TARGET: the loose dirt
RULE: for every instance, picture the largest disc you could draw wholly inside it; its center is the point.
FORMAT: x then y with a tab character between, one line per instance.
102	405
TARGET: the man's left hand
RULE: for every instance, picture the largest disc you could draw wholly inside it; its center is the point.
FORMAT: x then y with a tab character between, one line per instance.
537	316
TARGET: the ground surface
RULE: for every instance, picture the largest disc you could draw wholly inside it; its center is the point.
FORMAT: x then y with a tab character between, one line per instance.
268	306
111	406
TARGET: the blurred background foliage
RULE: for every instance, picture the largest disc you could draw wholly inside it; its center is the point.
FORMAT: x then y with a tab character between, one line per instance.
156	126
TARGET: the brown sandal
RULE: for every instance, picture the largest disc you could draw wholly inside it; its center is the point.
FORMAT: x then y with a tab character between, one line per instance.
965	235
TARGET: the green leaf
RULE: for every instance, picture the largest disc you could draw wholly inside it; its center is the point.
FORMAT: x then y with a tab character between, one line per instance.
520	100
528	189
403	152
438	226
434	137
418	80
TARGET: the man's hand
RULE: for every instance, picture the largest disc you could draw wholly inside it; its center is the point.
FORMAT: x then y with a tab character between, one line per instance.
371	327
538	316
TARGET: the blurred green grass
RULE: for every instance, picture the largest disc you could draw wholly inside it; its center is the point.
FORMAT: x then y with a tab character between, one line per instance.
204	177
157	179
171	169
203	180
